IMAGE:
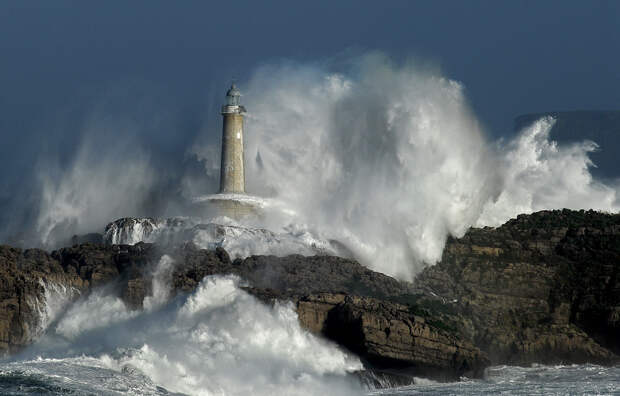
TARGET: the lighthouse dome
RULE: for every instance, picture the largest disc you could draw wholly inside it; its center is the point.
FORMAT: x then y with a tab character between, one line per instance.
233	91
233	96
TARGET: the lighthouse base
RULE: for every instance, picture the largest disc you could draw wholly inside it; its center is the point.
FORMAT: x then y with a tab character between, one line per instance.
234	206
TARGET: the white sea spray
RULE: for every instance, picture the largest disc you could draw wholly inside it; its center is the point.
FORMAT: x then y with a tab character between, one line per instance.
387	158
238	238
216	340
102	181
97	310
160	283
390	160
55	299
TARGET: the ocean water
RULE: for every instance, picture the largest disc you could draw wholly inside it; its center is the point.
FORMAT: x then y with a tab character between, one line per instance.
535	380
217	340
220	340
91	376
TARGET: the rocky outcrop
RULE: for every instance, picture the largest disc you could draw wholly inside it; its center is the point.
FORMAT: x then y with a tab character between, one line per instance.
334	296
239	241
391	336
292	275
541	288
23	277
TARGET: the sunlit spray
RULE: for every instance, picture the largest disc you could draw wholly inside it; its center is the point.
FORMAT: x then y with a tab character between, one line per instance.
390	160
386	158
218	340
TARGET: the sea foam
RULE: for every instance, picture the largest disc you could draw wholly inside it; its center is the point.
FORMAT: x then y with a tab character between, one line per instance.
215	340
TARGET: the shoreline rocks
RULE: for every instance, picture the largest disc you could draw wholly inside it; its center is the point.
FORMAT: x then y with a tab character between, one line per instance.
542	288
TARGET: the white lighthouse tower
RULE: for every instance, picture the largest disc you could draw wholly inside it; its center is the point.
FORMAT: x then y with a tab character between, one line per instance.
232	200
232	171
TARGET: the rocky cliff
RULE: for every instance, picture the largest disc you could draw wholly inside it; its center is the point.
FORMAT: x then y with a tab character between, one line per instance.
541	288
334	296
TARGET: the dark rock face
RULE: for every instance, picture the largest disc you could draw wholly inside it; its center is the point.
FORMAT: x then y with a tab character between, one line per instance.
291	275
541	288
86	238
334	296
21	275
390	336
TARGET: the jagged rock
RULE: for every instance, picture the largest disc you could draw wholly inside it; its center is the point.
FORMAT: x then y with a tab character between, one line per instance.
86	238
296	278
389	335
541	288
22	274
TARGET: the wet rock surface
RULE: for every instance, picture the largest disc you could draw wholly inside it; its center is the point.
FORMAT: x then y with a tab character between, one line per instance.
541	288
390	336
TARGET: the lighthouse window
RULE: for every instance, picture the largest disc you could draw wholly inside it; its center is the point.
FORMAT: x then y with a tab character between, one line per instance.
232	100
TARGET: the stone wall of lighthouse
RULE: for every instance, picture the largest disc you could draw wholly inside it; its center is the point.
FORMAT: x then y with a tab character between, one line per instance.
232	200
232	172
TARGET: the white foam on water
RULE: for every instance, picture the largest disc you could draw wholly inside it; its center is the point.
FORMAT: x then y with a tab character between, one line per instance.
98	310
537	380
216	340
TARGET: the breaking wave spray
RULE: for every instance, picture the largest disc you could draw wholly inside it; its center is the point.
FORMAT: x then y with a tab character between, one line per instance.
387	158
390	160
217	340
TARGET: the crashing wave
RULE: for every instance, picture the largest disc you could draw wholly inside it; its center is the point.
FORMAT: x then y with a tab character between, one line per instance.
48	306
201	343
238	240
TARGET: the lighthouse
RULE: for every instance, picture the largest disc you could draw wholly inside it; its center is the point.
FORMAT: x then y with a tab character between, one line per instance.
232	200
232	173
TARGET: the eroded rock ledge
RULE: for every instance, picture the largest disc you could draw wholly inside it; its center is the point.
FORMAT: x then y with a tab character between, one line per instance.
335	297
541	288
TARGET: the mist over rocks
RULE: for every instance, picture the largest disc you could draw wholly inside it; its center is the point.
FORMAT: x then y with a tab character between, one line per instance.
362	216
541	288
599	127
238	238
130	272
386	157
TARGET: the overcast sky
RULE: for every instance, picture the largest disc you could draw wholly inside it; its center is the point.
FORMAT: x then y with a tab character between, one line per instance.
63	61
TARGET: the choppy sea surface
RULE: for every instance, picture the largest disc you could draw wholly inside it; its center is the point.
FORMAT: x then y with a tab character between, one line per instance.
220	340
90	376
535	380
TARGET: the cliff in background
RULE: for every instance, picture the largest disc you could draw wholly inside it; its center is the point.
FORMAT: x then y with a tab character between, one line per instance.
541	288
601	127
